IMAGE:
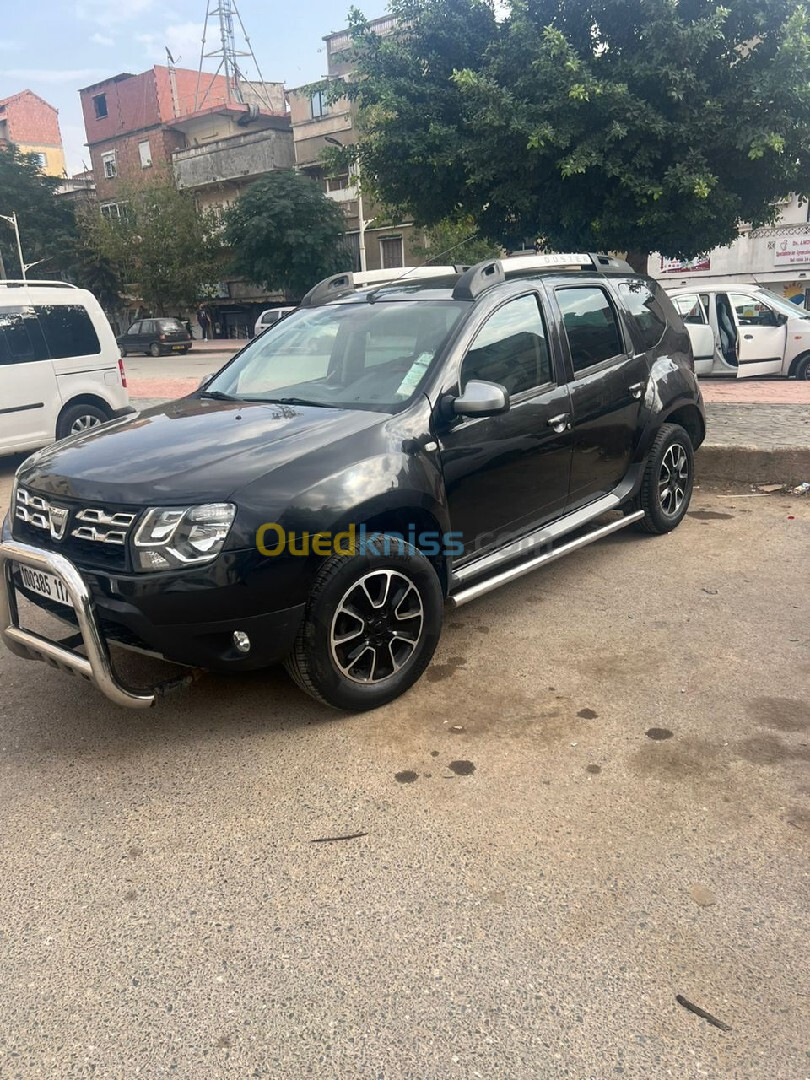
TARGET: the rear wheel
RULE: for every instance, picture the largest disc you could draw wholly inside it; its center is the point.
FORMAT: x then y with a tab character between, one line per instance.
154	349
372	623
669	476
78	418
803	369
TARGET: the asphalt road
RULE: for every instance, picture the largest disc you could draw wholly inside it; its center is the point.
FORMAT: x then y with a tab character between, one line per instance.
594	801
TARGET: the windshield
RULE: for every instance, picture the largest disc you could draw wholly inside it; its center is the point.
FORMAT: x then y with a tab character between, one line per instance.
785	306
356	356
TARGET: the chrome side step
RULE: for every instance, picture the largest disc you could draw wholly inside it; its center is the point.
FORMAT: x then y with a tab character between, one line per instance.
487	584
525	544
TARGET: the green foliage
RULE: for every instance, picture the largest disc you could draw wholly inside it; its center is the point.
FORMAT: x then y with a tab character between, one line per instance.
593	124
286	234
91	268
164	249
47	227
455	242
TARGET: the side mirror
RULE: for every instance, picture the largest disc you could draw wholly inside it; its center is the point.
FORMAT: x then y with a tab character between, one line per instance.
482	399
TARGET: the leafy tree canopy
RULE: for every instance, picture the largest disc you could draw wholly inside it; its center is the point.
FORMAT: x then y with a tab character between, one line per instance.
162	246
47	227
286	234
454	241
631	125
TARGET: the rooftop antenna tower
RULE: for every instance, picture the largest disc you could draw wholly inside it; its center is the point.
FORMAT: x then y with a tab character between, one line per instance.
222	17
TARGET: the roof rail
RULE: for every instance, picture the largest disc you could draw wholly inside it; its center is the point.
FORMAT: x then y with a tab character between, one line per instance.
479	277
18	283
328	289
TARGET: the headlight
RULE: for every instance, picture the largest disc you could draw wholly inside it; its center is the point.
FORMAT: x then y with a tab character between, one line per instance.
174	536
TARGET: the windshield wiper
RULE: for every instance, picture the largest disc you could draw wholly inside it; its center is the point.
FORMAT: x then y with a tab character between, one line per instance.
218	395
295	401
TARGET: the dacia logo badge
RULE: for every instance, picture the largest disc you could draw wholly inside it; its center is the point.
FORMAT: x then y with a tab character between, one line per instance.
58	516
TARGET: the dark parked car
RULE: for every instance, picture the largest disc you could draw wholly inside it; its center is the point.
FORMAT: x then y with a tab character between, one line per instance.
155	337
384	453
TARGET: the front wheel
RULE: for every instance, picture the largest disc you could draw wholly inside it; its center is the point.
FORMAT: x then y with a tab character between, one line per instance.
371	626
669	476
803	370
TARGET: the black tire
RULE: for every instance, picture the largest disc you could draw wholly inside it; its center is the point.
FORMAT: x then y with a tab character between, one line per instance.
78	418
154	349
342	601
669	476
803	369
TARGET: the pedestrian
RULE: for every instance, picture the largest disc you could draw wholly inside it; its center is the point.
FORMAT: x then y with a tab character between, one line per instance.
204	321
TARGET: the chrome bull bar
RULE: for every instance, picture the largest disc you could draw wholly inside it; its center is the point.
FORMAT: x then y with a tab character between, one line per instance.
97	666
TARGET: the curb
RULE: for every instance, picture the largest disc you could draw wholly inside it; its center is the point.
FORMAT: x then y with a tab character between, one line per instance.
753	465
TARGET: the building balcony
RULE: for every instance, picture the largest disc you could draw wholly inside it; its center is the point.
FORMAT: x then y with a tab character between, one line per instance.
237	158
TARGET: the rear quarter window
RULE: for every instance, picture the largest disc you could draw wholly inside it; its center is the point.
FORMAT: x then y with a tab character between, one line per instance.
646	314
68	330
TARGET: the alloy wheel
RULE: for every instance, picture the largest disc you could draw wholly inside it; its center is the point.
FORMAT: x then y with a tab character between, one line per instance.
376	627
84	423
673	479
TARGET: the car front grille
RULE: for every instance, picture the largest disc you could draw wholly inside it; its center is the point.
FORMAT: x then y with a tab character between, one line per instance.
90	535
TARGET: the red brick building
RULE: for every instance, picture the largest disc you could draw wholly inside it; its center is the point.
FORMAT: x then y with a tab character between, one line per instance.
129	120
28	121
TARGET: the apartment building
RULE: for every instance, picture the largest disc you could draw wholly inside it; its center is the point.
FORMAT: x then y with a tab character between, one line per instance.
377	241
775	256
30	123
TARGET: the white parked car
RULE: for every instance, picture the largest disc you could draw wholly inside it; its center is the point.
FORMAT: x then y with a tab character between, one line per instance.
60	369
270	318
744	331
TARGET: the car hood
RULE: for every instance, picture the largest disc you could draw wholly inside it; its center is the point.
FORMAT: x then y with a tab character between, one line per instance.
190	451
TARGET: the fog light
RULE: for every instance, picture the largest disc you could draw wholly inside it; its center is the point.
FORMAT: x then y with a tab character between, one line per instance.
241	641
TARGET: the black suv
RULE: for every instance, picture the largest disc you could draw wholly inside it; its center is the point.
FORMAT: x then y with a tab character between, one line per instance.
382	453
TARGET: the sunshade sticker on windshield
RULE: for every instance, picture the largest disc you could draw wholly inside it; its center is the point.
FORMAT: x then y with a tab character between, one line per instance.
414	375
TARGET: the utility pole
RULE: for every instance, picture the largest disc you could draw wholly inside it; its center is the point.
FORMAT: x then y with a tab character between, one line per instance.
354	173
13	222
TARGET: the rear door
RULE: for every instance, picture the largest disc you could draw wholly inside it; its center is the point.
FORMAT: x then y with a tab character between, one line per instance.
609	379
701	334
131	339
29	394
505	473
761	336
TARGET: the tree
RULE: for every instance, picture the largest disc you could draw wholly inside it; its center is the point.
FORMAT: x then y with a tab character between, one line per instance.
162	246
634	125
285	234
46	224
455	241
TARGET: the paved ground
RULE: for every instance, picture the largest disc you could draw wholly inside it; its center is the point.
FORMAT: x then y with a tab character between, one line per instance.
594	800
766	426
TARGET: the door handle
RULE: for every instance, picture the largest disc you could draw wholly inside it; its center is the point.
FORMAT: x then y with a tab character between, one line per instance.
748	337
636	390
560	423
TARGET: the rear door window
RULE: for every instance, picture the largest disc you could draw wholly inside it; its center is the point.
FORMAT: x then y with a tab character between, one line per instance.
68	330
591	325
21	339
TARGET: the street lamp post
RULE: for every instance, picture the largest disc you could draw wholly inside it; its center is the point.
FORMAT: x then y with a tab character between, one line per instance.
354	171
13	222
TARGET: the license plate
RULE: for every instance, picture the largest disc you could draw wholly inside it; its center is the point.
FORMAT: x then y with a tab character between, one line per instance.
43	584
178	347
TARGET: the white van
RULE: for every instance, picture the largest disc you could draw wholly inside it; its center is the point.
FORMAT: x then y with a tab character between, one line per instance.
60	368
744	331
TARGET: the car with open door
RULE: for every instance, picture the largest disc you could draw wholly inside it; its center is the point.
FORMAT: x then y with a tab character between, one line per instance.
386	452
744	331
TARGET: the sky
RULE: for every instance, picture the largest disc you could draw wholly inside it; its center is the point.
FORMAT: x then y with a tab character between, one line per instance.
54	47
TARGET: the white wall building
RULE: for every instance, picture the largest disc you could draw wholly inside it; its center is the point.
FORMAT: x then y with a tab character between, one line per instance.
775	256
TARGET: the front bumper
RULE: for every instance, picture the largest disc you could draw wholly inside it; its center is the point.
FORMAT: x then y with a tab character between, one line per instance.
97	665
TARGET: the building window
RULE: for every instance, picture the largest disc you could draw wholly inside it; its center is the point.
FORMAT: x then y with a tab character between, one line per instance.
100	106
317	104
42	160
145	154
336	183
391	254
112	211
109	164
